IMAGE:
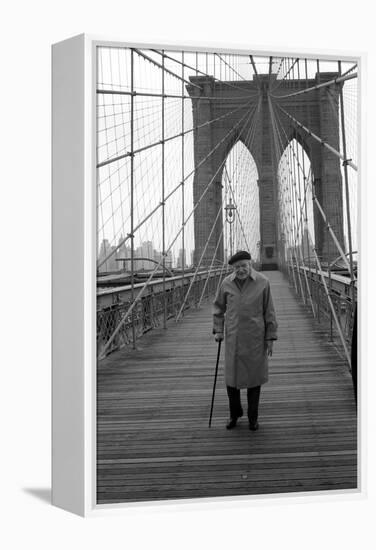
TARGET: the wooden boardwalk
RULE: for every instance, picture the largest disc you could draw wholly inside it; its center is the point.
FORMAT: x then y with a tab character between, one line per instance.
153	440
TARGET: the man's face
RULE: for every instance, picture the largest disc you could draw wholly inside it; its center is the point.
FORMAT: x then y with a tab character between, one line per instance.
242	268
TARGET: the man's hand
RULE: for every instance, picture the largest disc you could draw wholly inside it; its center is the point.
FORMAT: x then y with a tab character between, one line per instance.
218	336
269	348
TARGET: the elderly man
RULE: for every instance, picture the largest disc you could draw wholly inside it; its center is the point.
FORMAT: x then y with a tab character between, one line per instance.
244	307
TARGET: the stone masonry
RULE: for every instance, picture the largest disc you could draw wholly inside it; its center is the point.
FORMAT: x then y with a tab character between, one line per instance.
317	110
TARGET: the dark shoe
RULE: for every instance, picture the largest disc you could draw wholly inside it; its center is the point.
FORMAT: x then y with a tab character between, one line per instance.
254	426
231	423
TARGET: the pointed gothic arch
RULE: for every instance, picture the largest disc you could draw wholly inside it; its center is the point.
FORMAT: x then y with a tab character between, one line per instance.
211	100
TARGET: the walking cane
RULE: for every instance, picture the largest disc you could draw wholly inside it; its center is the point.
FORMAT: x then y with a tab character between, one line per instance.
215	381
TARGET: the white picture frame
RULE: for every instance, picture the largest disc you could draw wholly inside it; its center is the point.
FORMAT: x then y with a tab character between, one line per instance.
74	273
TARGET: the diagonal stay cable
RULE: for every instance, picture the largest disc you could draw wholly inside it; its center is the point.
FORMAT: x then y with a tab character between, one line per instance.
350	70
297	231
336	80
306	179
102	91
323	215
139	295
225	83
279	82
211	265
317	138
160	142
199	262
314	197
294	206
160	66
232	68
115	248
317	202
249	141
339	328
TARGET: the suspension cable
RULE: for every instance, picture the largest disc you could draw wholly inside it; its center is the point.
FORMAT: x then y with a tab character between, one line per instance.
123	241
199	263
279	82
336	80
165	140
248	141
324	143
101	91
296	246
339	329
212	264
130	309
203	73
160	66
342	112
330	229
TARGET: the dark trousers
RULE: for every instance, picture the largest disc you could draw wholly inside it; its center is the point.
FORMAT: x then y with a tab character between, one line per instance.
253	398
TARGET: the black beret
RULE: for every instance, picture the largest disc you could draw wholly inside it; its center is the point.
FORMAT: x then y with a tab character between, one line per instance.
240	255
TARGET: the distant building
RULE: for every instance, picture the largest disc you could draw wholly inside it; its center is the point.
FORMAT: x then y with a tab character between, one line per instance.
146	250
125	252
182	259
104	251
192	257
169	260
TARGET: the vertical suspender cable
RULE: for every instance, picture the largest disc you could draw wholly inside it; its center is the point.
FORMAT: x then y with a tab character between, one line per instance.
298	210
349	236
305	231
132	198
182	171
314	206
163	196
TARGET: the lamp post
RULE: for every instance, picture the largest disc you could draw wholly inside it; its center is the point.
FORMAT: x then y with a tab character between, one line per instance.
258	245
230	218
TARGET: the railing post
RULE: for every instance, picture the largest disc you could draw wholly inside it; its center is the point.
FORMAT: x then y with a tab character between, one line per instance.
152	321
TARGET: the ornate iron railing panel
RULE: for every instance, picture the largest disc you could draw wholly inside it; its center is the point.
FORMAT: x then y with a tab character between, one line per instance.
148	312
337	291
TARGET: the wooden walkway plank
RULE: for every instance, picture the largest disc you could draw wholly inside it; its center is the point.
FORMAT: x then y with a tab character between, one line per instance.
153	404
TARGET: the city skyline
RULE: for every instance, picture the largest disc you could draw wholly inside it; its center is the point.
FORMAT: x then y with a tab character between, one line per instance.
122	254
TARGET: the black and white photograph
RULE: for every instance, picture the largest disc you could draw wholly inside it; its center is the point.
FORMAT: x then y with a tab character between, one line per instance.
227	254
188	259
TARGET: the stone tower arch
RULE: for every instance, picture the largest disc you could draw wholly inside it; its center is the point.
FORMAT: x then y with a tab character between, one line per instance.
242	111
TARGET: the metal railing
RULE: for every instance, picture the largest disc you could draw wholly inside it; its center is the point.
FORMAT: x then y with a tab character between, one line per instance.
148	313
333	301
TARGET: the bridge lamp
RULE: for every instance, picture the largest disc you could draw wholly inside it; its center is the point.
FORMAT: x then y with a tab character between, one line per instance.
258	245
230	218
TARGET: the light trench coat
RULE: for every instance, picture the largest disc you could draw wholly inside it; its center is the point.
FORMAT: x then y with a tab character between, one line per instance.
249	320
